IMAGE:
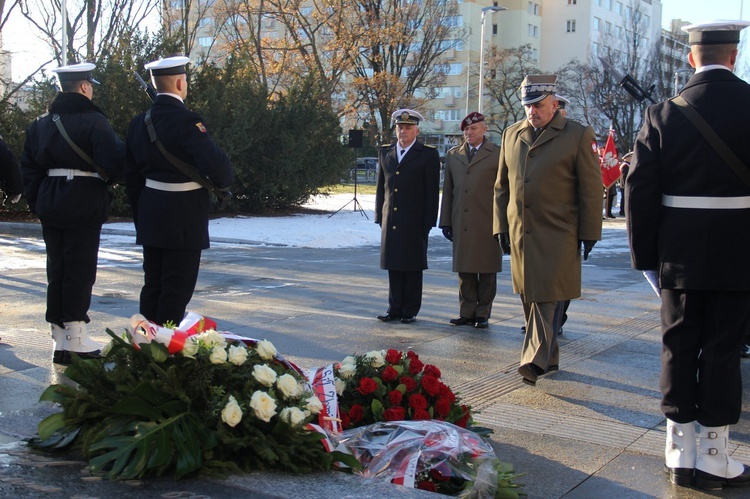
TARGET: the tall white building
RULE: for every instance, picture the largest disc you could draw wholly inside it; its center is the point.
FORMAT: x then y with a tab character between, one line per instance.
582	29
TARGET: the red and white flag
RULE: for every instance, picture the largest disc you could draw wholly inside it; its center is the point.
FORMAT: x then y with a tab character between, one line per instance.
609	162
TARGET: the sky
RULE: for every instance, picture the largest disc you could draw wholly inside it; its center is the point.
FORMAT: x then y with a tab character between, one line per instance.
346	229
29	52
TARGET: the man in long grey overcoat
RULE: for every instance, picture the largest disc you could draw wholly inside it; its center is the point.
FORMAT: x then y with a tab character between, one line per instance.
466	220
547	205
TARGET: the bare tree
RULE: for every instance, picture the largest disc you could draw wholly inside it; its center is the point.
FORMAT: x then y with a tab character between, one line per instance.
400	52
325	35
6	8
509	66
185	18
596	96
9	88
93	26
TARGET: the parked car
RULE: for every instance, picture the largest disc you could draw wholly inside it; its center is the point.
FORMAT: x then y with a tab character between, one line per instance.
366	165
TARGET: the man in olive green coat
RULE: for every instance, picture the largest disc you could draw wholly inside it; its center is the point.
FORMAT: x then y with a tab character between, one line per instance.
547	205
466	220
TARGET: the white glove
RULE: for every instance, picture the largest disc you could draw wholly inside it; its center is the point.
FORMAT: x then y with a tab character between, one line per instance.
15	198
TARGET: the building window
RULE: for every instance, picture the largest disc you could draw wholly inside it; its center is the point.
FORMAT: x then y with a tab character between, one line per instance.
205	41
536	31
618	8
608	28
205	21
494	29
595	49
598	3
176	4
529	30
572	2
453	21
455	68
597	23
536	9
571	26
444	92
448	114
608	4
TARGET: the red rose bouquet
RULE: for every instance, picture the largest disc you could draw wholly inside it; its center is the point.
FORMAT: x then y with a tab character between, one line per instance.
394	386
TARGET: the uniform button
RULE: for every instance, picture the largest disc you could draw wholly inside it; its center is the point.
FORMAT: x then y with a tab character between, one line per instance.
394	227
395	190
398	173
395	208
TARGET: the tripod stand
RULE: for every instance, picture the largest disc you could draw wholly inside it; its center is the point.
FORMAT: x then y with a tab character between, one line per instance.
357	206
355	142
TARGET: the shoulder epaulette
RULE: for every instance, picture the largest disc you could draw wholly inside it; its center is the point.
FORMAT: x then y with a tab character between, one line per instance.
454	147
384	146
430	146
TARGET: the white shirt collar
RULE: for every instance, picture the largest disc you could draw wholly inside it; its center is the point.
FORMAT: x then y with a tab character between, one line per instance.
405	149
172	95
709	67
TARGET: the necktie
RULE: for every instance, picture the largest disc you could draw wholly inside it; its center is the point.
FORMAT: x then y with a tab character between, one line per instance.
472	152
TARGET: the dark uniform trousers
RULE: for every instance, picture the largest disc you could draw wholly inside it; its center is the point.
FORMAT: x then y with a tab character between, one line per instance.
543	321
476	293
170	278
72	255
404	292
704	330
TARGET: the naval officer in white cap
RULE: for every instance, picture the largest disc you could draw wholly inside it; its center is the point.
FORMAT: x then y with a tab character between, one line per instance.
688	210
406	208
70	155
170	210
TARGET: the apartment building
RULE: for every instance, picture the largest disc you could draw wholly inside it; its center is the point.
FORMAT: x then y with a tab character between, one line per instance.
556	30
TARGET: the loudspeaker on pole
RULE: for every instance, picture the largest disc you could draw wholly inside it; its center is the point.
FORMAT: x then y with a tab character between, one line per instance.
355	139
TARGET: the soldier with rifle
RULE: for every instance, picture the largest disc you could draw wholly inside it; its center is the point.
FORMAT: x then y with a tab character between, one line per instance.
70	156
172	163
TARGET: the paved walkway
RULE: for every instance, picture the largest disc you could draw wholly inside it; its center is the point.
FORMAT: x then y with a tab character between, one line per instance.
593	429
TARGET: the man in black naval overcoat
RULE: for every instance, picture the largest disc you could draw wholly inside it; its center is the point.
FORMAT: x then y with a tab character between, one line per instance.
11	181
170	210
70	197
406	208
688	214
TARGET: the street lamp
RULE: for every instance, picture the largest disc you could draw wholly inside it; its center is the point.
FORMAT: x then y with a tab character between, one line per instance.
481	53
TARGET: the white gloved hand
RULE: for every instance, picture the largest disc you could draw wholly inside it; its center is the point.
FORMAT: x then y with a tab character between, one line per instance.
15	198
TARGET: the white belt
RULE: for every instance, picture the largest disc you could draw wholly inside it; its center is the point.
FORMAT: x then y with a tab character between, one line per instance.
173	187
706	203
70	173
